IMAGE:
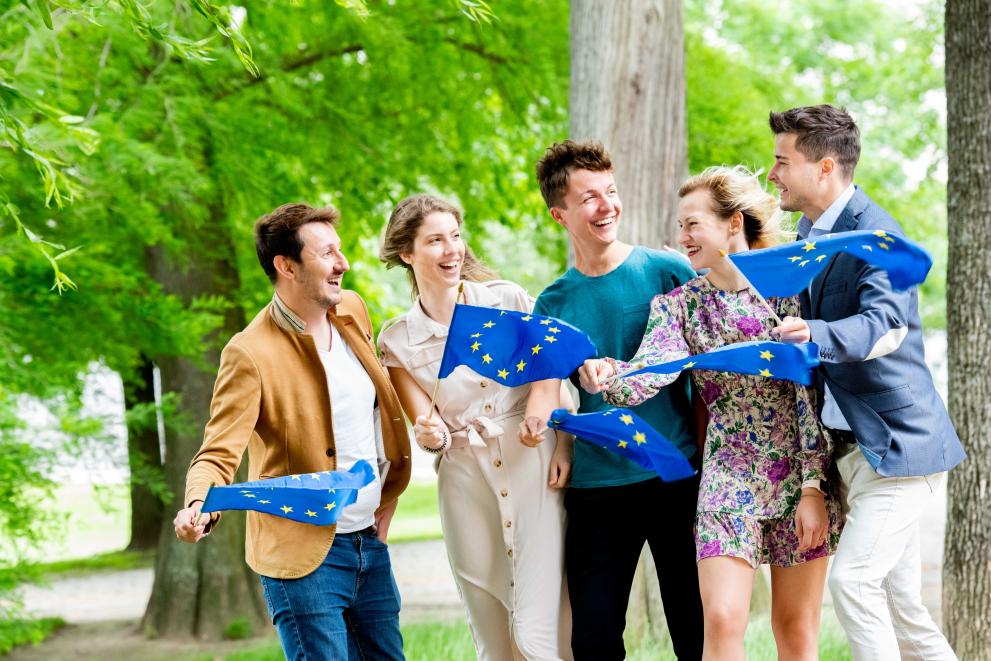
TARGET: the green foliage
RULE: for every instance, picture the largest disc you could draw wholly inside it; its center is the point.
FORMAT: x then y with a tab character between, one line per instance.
112	561
26	632
883	62
238	629
418	516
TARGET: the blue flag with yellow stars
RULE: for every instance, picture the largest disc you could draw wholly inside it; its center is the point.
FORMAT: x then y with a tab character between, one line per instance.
512	347
315	498
772	360
622	431
788	269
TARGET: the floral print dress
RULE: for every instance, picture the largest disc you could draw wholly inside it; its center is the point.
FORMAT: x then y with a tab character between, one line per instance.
763	440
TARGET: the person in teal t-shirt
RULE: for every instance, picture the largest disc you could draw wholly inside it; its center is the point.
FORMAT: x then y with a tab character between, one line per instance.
613	309
613	505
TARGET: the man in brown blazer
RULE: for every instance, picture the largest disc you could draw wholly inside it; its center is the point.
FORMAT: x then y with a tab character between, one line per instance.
302	390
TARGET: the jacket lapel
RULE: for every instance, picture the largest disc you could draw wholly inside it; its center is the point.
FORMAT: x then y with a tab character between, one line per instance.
848	220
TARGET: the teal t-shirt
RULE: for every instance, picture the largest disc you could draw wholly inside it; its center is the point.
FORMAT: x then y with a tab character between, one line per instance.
613	309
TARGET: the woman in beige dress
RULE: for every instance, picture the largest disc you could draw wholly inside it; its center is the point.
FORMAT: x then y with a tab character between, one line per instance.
501	503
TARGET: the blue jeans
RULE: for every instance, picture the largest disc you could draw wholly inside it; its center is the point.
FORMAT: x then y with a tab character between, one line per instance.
347	609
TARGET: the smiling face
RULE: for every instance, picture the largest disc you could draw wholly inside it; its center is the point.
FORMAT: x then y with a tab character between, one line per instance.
703	233
592	208
797	179
438	252
322	265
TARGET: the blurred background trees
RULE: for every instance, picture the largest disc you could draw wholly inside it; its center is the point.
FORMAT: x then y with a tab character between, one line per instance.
151	135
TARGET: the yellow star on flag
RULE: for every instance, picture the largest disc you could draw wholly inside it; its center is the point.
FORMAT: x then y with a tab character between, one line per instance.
296	477
286	509
766	355
520	365
626	419
486	359
883	246
502	374
554	329
264	502
889	239
545	322
794	258
622	444
803	262
765	372
475	346
330	506
880	233
640	438
550	338
535	350
867	248
314	476
249	495
488	324
502	312
310	513
688	365
820	258
526	317
809	245
474	335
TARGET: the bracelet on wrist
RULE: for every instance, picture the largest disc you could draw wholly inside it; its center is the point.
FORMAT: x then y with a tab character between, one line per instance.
445	440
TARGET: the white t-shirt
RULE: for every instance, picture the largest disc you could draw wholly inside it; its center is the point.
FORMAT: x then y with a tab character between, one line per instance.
352	400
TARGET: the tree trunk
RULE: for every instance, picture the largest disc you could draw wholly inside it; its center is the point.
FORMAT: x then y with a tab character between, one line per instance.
967	563
200	590
628	90
144	457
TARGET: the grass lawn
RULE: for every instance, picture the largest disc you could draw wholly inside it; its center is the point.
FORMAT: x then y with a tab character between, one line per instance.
450	641
417	517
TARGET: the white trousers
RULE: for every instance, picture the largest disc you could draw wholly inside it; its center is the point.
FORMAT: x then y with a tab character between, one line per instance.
876	576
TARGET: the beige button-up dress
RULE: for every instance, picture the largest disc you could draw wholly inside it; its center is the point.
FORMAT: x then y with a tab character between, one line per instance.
503	525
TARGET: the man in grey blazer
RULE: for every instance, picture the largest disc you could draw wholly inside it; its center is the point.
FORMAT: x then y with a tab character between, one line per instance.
893	436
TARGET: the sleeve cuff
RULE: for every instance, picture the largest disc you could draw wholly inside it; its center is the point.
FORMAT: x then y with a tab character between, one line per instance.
813	484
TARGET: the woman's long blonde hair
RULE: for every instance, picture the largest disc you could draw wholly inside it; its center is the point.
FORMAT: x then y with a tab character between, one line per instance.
400	233
735	189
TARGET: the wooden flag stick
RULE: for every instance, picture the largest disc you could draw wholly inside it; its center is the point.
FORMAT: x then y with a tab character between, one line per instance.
774	315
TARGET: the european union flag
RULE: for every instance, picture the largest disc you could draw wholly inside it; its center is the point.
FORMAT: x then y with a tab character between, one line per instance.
513	347
623	432
788	269
315	498
773	360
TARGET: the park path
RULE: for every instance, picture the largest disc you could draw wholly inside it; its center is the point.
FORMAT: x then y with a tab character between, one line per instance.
421	569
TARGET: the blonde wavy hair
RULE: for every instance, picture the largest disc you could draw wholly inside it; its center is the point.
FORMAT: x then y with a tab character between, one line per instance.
736	188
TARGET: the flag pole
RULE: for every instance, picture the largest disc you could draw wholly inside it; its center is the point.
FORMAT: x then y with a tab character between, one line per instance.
433	396
760	297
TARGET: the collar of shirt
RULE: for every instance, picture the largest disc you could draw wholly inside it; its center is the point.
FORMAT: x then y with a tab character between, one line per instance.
828	218
285	318
421	328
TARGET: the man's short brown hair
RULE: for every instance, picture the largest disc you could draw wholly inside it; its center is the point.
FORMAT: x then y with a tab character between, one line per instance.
821	131
277	233
561	159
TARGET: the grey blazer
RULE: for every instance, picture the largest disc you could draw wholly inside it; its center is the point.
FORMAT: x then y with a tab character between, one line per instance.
892	406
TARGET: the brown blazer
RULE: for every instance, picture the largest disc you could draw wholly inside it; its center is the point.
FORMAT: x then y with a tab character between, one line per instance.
271	396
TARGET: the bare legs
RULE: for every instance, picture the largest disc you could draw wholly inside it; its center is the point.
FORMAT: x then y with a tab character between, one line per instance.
796	598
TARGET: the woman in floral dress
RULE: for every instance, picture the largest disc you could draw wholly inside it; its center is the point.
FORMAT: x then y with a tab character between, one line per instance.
766	495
